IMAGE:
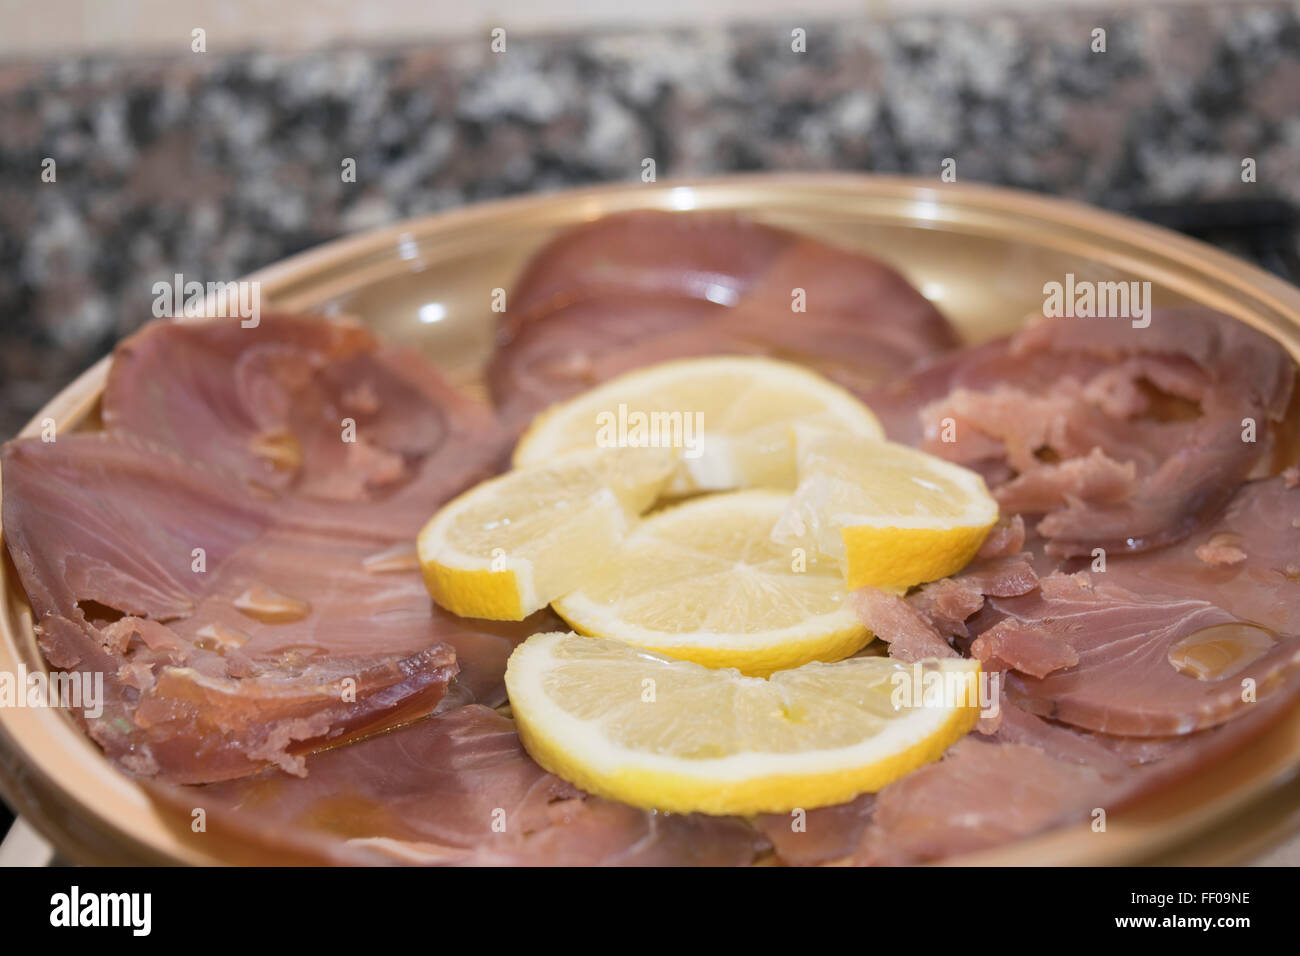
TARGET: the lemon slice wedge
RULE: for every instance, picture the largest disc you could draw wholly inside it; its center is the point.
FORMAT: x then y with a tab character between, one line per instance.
729	418
655	732
891	515
511	545
705	581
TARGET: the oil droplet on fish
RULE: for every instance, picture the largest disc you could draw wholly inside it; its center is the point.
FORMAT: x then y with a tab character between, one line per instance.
218	637
1220	651
400	557
271	607
280	448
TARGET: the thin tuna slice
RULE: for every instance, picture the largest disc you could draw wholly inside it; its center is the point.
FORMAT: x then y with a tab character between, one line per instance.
1124	681
1060	741
889	617
1261	526
981	794
1121	438
633	289
1034	775
1095	478
920	625
454	789
1033	651
313	413
713	256
573	346
1133	617
1158	643
1007	537
225	642
946	605
826	835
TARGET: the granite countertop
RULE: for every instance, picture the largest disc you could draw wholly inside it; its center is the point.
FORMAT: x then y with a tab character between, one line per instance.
214	165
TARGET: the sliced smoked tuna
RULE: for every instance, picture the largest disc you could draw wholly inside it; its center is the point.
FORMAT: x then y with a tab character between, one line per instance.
717	257
250	599
1006	537
1125	680
1030	776
910	635
1163	639
234	676
1031	650
226	643
1122	438
456	788
569	348
316	414
1261	524
979	795
629	290
920	625
1026	776
821	836
1147	644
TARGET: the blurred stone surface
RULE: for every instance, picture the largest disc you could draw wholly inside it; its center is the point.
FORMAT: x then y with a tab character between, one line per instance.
214	165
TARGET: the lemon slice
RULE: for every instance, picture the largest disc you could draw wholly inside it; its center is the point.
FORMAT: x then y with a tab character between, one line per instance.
893	516
511	545
729	418
665	734
705	581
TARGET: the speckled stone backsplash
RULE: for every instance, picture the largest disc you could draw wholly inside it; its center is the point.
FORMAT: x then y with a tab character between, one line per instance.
214	165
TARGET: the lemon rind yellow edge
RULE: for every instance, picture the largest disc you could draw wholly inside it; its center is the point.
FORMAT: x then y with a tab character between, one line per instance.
910	549
751	661
489	595
679	793
769	793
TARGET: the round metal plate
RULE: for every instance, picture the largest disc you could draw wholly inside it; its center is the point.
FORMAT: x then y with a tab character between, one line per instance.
981	253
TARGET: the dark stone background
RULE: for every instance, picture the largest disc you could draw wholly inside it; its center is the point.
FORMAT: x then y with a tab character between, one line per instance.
213	166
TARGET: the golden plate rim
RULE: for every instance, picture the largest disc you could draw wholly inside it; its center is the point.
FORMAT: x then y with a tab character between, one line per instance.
53	775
